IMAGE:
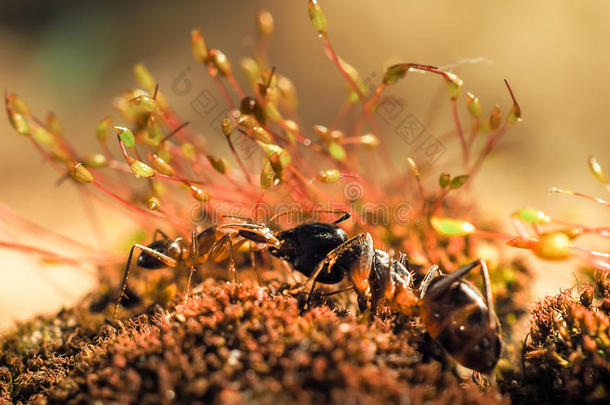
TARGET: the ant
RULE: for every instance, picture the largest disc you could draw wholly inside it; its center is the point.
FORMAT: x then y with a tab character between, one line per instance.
212	244
453	310
455	313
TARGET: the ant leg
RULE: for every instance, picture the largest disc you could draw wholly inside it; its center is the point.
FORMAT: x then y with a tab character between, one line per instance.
444	284
254	268
257	233
159	232
359	269
245	219
428	279
157	255
342	290
232	259
330	294
288	272
194	258
208	238
219	249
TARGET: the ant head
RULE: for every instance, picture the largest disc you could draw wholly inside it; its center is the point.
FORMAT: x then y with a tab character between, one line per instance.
472	341
306	245
482	355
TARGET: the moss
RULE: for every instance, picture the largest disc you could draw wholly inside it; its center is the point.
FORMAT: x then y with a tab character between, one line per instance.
230	343
566	356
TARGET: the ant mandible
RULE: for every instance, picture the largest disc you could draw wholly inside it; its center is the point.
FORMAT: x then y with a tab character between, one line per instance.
454	312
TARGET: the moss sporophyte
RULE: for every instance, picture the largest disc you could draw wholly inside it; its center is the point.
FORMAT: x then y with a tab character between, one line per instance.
335	291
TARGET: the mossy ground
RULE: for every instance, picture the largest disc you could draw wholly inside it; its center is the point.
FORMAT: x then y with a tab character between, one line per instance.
566	354
230	343
243	343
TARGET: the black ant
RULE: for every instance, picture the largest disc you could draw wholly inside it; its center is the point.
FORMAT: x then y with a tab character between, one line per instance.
453	310
455	313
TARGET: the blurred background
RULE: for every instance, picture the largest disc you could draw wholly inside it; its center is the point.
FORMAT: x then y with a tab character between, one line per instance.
73	57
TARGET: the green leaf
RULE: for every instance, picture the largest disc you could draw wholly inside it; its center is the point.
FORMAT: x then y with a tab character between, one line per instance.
596	170
153	134
188	150
141	169
336	150
96	161
444	179
18	122
79	172
474	105
458	181
317	17
451	226
127	137
144	78
42	136
329	176
267	175
103	129
532	216
394	73
198	47
219	163
495	119
454	85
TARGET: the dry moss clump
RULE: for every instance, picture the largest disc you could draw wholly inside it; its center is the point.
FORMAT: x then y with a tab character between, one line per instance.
566	357
231	343
40	352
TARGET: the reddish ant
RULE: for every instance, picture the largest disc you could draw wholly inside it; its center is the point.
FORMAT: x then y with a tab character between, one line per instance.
455	313
213	244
